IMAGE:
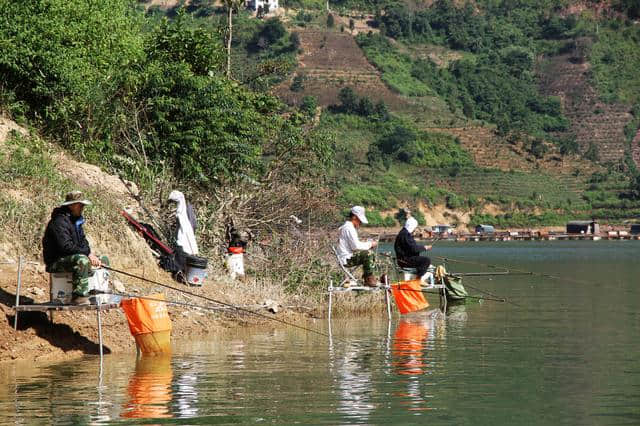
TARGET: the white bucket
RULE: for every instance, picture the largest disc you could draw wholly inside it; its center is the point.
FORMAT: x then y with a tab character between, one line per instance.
235	264
62	286
100	281
408	276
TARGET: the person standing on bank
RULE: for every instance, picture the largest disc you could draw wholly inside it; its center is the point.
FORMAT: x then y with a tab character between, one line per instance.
353	252
408	251
66	249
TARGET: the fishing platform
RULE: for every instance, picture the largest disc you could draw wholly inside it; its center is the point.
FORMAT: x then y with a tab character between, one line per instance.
53	306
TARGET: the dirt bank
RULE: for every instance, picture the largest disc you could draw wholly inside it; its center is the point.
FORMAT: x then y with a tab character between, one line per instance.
73	334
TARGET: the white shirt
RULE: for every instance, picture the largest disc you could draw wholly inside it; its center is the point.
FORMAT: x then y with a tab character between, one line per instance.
348	242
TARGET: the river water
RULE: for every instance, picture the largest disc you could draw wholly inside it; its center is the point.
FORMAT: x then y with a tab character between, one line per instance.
564	352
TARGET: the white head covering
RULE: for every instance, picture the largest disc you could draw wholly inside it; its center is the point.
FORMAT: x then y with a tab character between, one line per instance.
411	224
186	238
359	212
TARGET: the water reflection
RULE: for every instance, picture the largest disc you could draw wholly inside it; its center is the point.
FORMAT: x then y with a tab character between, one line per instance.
149	388
355	382
418	341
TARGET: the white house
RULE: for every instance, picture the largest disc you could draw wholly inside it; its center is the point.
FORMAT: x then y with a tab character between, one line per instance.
267	5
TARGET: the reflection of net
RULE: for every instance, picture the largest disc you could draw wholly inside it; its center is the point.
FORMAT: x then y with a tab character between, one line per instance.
149	389
408	347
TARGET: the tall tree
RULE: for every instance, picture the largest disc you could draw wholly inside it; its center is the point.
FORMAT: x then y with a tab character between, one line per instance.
231	5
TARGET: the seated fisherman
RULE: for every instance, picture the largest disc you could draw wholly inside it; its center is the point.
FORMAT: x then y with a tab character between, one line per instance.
351	251
408	251
66	249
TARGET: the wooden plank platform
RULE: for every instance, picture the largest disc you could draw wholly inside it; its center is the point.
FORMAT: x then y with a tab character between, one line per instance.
46	307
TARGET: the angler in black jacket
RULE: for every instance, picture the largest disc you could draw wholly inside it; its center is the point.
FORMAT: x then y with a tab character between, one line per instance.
408	251
65	247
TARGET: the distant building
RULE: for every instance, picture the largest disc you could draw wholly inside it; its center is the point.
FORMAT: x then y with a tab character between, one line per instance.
442	229
635	229
485	229
267	5
583	227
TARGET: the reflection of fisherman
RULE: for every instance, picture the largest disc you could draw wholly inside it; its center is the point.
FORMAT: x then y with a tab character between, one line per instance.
66	249
408	251
352	251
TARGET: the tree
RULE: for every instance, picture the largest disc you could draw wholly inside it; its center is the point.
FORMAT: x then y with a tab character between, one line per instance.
365	107
297	83
348	100
230	5
352	25
308	106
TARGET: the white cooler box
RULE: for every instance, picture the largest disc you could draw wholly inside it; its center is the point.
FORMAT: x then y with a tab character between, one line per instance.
62	288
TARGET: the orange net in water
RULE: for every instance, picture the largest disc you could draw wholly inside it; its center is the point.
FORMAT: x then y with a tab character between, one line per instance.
408	296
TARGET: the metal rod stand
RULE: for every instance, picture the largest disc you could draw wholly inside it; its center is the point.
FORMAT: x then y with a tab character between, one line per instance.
18	285
330	297
386	296
99	330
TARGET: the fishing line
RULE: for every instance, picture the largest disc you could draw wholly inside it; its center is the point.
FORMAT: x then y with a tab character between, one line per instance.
218	302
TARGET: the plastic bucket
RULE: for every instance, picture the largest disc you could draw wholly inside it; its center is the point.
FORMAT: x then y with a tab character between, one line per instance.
196	269
235	264
61	287
99	281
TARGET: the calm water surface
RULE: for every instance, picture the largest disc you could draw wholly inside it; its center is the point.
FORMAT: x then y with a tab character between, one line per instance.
568	353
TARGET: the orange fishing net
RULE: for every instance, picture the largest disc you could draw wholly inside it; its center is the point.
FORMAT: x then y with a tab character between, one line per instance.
408	296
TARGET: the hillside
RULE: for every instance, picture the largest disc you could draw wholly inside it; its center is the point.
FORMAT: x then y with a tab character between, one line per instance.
330	61
592	120
568	177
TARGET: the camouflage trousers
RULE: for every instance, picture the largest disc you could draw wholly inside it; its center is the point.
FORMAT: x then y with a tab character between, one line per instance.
365	258
80	268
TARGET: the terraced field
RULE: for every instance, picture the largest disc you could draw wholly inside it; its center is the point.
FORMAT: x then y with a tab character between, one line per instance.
331	61
489	151
505	186
592	121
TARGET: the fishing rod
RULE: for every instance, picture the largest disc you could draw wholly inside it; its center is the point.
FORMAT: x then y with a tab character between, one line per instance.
519	271
493	295
238	308
465	297
169	302
138	198
487	274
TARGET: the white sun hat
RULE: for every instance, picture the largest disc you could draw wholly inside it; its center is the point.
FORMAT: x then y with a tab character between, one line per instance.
358	211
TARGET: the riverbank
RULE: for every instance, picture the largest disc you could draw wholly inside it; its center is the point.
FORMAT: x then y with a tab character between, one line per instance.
73	334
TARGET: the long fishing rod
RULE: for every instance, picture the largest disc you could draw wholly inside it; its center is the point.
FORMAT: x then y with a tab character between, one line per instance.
465	297
218	302
487	274
520	271
138	198
493	295
169	302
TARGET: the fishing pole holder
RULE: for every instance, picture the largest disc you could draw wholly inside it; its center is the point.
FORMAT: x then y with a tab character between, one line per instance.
350	284
51	307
